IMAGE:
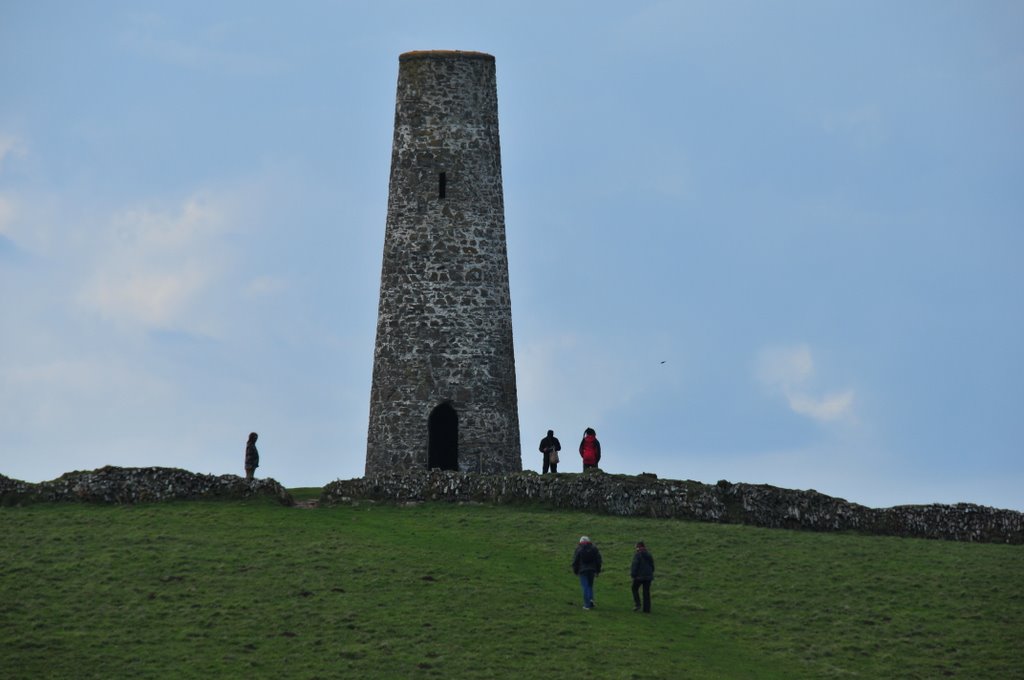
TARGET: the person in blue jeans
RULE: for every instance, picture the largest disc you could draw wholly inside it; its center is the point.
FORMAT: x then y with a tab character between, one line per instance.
586	563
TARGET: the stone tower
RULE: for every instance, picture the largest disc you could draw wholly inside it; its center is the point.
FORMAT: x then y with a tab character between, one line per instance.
444	379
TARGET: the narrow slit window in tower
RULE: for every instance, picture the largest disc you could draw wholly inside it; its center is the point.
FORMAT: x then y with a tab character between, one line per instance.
442	184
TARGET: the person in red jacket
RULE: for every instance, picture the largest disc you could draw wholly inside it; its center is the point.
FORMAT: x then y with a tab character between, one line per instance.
590	449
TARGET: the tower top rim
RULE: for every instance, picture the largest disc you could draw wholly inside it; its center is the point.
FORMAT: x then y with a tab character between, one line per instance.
444	54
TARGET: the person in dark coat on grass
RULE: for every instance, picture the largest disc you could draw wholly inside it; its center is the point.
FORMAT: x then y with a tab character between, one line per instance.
586	563
642	571
252	457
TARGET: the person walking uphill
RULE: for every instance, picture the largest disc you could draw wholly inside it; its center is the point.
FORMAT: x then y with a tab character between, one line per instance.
252	457
550	446
642	571
586	563
590	449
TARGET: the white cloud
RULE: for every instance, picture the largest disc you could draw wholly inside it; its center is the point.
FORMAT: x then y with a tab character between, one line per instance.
153	264
199	217
266	285
10	146
154	300
6	215
33	220
49	394
828	407
790	371
785	366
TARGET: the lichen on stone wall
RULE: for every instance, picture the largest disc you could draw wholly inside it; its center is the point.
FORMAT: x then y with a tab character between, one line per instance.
138	485
597	492
724	502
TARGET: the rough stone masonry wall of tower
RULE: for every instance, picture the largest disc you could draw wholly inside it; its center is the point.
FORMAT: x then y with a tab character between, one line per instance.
444	329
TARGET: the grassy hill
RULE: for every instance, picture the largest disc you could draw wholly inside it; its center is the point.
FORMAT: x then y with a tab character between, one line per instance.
254	589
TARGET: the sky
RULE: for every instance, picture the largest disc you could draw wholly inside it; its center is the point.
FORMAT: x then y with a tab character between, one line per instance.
771	243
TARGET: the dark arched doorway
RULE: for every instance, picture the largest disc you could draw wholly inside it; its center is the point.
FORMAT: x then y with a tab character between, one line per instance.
443	438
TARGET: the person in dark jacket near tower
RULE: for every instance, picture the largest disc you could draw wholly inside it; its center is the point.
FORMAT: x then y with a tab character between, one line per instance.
590	449
642	571
586	563
252	456
550	446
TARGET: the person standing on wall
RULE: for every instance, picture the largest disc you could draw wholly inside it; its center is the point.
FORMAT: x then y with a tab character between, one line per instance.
550	446
590	449
252	457
642	571
586	563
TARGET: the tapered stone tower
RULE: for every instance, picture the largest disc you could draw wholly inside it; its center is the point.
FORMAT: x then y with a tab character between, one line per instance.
444	379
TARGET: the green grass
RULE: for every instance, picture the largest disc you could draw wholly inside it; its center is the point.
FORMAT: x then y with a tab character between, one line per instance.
306	493
254	589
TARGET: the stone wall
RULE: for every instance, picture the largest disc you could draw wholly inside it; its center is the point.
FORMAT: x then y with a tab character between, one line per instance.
640	496
648	496
138	485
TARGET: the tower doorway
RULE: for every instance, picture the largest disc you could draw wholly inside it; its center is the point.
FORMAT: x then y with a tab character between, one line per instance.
443	438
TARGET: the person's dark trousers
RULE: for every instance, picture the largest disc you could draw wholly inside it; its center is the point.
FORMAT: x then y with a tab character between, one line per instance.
637	583
587	466
549	464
